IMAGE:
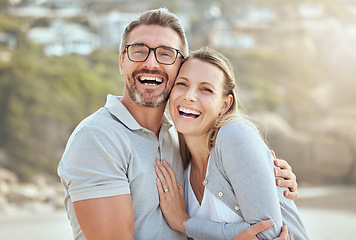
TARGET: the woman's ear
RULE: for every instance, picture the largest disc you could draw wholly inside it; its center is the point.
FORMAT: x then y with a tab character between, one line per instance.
228	100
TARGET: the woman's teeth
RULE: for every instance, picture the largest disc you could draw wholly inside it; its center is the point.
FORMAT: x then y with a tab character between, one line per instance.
188	113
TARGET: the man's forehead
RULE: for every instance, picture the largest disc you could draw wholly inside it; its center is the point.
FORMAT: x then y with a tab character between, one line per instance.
154	36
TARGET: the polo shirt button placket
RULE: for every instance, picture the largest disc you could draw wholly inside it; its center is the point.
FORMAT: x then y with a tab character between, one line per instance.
159	152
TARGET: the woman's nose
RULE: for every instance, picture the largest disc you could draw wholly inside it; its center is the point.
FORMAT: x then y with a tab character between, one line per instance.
191	95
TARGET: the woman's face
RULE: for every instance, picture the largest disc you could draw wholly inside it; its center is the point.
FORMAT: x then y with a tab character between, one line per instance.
197	97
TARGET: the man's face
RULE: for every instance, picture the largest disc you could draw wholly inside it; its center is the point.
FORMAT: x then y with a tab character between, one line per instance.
149	83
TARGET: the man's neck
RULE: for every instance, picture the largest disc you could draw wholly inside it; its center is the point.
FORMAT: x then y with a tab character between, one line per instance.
149	118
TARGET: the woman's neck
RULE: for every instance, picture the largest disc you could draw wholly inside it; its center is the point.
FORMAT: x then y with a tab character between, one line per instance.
199	152
199	164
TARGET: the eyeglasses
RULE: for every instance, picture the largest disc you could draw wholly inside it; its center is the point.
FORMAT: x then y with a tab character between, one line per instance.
163	55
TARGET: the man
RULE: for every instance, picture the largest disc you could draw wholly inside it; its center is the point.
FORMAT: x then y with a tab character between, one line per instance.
107	169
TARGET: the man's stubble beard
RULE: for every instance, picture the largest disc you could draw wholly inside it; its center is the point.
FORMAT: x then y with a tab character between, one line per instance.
156	100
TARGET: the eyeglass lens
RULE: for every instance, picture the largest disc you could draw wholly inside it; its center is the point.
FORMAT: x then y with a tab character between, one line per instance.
139	53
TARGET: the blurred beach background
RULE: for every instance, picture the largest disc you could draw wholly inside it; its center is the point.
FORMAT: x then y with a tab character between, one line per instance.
328	213
295	66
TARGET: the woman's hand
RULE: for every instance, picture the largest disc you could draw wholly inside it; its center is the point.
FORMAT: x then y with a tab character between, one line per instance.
289	179
251	232
171	196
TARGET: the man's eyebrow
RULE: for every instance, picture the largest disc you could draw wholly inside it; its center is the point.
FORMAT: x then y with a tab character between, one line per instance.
141	43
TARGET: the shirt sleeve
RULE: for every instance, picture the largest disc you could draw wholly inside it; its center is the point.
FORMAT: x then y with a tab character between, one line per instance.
248	165
93	165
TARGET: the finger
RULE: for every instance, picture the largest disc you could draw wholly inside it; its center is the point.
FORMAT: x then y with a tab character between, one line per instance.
160	189
287	183
167	182
292	192
291	195
284	234
283	164
161	177
262	226
252	231
171	173
286	174
273	154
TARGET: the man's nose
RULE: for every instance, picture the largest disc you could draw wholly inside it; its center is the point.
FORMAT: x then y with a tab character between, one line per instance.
151	61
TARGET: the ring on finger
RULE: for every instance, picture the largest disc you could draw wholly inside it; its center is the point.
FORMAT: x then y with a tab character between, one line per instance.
166	189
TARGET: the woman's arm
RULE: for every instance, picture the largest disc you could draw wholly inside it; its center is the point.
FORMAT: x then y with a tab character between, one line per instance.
172	204
251	232
247	163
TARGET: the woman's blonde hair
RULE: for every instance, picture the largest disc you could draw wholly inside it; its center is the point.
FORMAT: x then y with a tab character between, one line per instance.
217	59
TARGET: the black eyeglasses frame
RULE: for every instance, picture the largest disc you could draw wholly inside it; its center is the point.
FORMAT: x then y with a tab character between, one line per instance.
154	51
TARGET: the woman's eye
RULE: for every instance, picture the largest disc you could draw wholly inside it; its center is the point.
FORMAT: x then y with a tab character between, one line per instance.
181	84
208	90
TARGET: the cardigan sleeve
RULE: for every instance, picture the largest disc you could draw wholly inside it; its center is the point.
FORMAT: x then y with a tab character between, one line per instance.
202	229
248	165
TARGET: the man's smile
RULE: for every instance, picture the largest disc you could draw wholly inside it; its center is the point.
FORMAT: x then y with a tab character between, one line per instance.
150	80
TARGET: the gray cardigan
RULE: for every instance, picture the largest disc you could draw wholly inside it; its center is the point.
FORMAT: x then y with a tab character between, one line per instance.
241	175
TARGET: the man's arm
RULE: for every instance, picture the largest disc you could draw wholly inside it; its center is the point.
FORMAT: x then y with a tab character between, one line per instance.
108	218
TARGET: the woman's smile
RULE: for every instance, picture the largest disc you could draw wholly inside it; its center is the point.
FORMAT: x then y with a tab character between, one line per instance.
197	97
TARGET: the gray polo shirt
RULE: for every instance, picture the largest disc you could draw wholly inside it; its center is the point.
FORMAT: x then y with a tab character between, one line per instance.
110	154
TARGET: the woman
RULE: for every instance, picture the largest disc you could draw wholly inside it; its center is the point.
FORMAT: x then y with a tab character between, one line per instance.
229	169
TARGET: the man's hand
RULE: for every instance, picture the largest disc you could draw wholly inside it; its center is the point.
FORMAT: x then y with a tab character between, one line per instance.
251	232
289	179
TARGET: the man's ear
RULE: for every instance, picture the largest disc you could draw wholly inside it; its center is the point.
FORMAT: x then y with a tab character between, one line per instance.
121	64
228	100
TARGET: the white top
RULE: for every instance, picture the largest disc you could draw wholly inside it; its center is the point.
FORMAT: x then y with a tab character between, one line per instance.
211	207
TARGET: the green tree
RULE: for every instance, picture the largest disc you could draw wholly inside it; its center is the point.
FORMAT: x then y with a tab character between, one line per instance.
43	98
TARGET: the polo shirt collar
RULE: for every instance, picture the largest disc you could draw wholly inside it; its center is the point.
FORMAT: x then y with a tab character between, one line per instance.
116	108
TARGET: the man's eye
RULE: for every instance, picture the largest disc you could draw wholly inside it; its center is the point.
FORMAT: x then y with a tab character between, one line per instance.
138	52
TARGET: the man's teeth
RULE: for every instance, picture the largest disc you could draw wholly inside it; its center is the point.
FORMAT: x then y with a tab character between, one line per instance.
150	79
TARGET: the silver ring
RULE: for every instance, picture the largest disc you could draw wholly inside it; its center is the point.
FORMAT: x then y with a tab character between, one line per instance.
166	190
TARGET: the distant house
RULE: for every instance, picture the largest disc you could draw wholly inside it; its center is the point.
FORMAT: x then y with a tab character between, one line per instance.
248	30
8	43
224	35
111	27
261	17
62	38
47	8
